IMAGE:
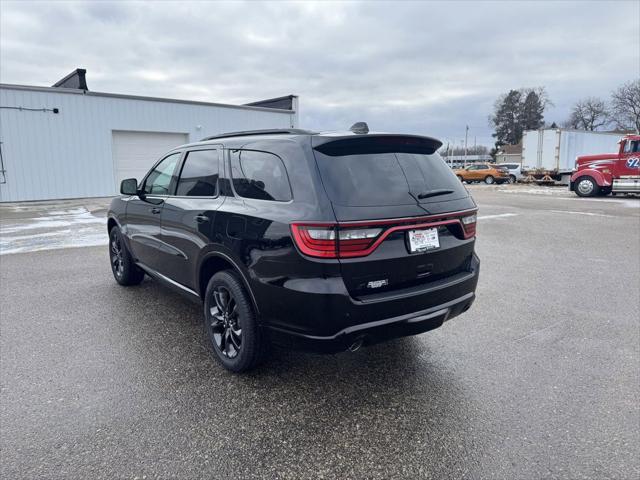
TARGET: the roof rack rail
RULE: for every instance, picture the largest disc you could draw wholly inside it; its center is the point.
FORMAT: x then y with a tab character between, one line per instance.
273	131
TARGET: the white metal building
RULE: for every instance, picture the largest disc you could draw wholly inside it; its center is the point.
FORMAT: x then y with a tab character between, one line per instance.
68	142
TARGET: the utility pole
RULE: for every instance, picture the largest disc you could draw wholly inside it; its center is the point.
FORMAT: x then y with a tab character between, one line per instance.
466	135
448	155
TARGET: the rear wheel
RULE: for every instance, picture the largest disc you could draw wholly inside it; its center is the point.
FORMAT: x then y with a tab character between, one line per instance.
489	180
512	179
586	187
124	269
231	324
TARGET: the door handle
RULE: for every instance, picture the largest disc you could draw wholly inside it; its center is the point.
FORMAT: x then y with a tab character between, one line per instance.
156	210
201	218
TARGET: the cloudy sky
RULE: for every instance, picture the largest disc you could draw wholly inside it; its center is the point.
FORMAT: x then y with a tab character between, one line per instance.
415	67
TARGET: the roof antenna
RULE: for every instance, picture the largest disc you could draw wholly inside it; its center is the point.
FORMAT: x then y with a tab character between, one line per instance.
360	127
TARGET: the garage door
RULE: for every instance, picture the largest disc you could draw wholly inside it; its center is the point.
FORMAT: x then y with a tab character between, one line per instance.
134	153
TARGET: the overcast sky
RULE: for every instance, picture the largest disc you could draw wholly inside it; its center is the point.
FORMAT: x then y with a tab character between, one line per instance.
415	67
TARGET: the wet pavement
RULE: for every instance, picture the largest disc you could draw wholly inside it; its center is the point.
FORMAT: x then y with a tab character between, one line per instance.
540	379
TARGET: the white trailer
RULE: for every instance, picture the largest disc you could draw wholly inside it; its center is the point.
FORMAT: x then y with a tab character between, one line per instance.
553	151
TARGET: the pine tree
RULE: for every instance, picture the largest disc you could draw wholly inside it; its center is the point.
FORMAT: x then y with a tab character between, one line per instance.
506	118
517	111
532	113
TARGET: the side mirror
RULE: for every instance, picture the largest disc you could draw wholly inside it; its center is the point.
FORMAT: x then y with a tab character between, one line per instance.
129	186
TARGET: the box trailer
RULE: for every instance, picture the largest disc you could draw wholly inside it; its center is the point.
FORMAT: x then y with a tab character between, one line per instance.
551	153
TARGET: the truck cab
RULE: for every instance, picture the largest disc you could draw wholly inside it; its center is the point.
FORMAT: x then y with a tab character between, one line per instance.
610	172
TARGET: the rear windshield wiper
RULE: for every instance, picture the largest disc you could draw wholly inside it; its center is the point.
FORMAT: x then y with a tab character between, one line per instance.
434	193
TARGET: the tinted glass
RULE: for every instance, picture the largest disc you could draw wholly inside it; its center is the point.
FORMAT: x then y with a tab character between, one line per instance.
386	178
159	180
259	175
199	176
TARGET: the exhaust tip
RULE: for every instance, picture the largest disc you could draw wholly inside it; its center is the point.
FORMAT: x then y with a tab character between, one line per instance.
355	346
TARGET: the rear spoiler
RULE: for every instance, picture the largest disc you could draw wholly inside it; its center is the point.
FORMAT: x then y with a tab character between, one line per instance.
376	143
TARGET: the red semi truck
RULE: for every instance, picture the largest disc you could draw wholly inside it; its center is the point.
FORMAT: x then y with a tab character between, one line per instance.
609	172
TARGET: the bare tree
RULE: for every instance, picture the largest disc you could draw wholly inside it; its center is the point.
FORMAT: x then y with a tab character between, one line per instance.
625	106
589	114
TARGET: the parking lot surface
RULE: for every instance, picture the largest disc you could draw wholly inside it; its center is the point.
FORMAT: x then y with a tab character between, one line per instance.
540	379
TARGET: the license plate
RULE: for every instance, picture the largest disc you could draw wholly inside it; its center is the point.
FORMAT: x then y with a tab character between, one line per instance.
423	240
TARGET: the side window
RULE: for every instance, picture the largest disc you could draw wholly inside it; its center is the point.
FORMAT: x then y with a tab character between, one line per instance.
159	180
199	176
259	175
483	167
631	146
472	167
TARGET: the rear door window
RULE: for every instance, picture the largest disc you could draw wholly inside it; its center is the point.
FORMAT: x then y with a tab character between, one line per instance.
378	179
199	176
259	175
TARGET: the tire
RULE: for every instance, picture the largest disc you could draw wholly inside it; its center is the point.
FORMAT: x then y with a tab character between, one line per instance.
586	187
237	341
124	269
512	179
489	180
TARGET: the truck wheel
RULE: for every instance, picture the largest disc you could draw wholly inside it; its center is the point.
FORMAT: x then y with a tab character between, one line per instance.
586	187
232	326
489	180
512	179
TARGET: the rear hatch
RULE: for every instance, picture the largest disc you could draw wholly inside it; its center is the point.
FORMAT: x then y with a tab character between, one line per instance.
399	209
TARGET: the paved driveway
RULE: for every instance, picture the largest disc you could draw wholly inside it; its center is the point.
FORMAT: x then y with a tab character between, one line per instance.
540	379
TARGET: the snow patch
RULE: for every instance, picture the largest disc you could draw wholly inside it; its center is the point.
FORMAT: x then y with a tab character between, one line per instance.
75	227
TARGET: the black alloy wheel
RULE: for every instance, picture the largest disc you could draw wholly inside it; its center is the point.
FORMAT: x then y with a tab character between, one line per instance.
225	322
124	269
115	251
237	340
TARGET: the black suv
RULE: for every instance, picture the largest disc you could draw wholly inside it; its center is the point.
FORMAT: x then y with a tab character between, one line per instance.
318	241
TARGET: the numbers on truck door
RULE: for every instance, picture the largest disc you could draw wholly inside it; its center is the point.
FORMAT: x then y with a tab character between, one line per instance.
633	162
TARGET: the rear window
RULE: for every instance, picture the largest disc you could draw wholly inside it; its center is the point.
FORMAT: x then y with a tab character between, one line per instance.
373	179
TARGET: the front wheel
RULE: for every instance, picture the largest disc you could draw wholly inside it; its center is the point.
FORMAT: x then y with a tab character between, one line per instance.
512	179
124	269
586	187
489	180
231	324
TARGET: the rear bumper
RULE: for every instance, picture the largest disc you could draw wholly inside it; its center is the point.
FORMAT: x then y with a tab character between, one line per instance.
333	323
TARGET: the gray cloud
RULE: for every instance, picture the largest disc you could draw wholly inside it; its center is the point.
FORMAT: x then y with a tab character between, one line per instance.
416	67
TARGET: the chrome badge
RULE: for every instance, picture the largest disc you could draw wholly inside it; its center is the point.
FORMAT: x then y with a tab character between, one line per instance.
378	283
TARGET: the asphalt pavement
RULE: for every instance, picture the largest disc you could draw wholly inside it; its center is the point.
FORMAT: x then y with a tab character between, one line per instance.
540	379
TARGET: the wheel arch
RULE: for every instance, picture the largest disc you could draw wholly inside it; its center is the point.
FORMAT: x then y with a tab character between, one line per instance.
111	222
216	262
595	175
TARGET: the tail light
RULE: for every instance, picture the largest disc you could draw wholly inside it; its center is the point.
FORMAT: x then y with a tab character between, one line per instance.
469	225
330	240
321	240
